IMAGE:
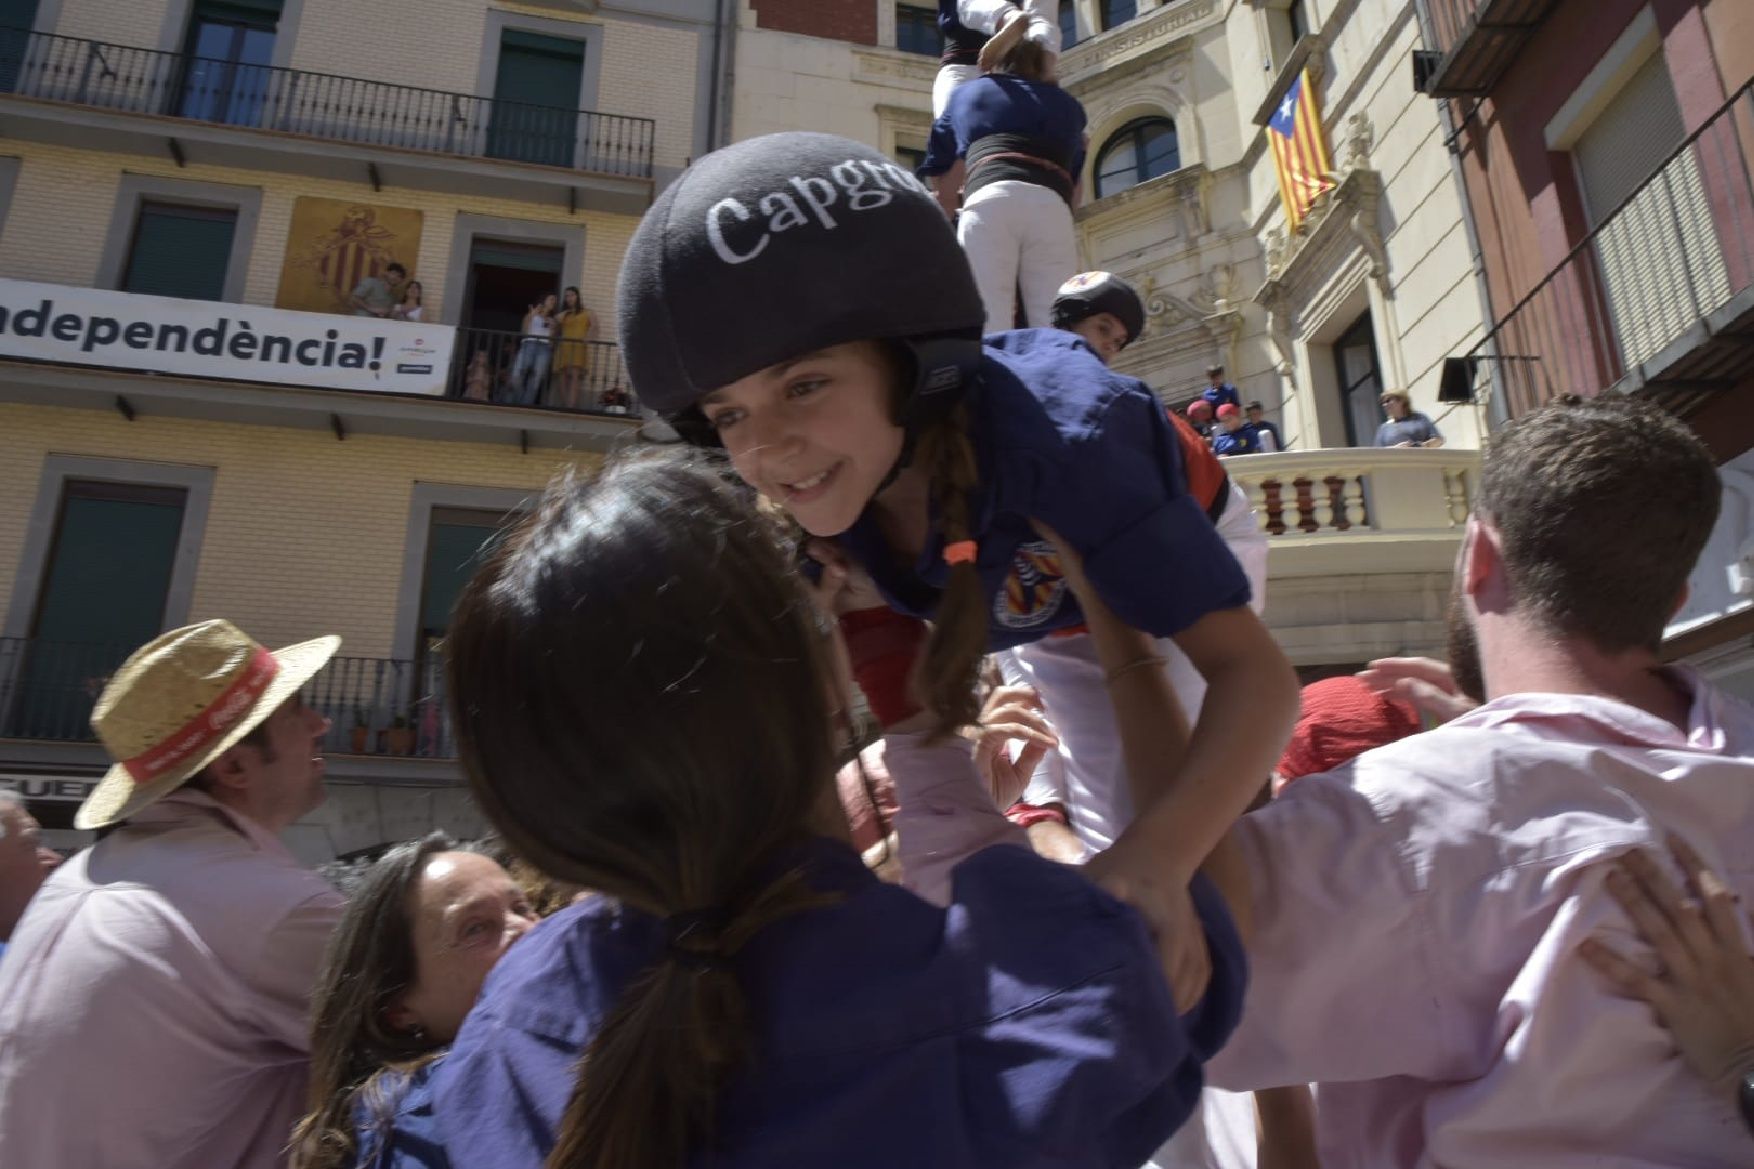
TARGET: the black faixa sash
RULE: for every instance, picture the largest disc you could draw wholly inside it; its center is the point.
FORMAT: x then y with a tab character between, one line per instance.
1018	158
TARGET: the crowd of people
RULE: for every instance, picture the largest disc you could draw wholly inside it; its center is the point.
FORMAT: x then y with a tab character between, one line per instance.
1100	886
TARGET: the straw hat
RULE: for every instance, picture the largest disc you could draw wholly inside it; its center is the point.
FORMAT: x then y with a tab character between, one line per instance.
180	701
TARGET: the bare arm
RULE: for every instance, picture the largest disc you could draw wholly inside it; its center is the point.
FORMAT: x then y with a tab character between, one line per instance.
948	188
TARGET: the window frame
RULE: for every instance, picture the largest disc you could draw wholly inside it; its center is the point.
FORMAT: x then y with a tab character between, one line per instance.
927	16
425	500
135	190
159	205
1133	127
1362	328
42	528
1109	25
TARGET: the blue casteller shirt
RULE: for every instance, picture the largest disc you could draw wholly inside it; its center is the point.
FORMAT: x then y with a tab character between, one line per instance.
1026	1026
997	103
406	1136
1244	440
1223	394
1061	438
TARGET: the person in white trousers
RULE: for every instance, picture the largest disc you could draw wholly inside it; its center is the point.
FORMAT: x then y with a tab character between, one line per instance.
967	26
1087	775
1011	143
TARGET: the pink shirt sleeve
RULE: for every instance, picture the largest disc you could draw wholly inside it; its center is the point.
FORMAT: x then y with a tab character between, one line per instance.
1343	946
946	813
291	960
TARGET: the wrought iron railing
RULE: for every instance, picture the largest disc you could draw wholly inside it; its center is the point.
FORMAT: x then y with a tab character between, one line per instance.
1477	40
1651	275
493	365
376	706
320	105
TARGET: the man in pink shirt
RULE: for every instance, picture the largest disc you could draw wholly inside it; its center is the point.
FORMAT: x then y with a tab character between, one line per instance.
154	1003
1418	912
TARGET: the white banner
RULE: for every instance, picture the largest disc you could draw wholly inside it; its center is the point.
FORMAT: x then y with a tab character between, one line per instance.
216	339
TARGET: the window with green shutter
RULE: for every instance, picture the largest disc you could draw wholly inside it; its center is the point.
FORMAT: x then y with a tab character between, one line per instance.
536	98
179	250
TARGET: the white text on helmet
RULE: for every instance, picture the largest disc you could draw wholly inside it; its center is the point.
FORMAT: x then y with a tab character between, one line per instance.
866	183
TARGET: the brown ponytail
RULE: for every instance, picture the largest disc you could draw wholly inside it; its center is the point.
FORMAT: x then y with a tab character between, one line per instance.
950	667
650	1080
641	699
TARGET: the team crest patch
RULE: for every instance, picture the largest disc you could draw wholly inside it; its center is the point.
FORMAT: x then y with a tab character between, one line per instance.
1034	589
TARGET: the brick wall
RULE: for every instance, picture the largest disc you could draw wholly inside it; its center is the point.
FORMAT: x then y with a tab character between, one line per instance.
841	20
305	535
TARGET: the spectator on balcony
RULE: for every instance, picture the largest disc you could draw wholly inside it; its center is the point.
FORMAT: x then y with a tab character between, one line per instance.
535	351
1219	392
478	379
1265	429
411	308
1418	912
1200	417
378	296
419	936
1234	436
24	862
167	970
1013	143
1405	426
572	353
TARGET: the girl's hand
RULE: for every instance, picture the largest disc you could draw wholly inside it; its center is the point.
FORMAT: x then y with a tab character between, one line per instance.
1704	992
844	586
1425	682
1168	910
1012	714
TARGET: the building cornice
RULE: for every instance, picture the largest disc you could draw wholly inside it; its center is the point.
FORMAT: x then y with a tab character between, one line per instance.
1138	43
894	67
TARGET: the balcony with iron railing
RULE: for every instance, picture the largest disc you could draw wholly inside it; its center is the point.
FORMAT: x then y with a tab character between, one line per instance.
376	706
1658	298
1476	41
396	124
492	365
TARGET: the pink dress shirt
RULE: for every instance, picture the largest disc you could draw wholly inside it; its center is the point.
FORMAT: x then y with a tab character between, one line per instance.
1418	914
154	1004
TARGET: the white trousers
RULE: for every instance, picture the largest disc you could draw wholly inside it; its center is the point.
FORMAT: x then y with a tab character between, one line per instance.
983	16
1019	239
1088	775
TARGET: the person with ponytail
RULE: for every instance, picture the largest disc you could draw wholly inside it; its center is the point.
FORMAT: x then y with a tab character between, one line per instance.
647	703
799	301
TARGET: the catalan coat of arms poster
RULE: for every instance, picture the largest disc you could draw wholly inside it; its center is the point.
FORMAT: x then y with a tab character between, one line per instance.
333	244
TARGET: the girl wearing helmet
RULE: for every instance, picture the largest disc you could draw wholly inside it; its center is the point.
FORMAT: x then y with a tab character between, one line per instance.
799	300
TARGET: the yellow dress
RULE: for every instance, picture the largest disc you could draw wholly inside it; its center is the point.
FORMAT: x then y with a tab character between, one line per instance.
571	352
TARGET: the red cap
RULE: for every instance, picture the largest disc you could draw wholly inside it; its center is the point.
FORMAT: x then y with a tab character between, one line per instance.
1343	718
1199	408
1228	410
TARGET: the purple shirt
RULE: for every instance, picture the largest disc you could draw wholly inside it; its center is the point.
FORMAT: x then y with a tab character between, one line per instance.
154	1004
1027	1025
1418	914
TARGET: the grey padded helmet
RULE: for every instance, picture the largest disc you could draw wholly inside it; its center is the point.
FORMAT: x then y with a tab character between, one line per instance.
782	245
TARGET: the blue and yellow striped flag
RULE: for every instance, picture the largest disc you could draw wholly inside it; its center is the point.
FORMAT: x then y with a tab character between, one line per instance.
1300	151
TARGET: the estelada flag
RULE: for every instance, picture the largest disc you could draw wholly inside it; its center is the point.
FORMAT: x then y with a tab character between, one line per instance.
1300	151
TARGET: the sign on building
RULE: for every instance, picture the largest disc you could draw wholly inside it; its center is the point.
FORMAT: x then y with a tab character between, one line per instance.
215	339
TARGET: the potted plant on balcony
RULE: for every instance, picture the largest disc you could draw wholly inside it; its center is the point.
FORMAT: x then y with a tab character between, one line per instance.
361	736
399	738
